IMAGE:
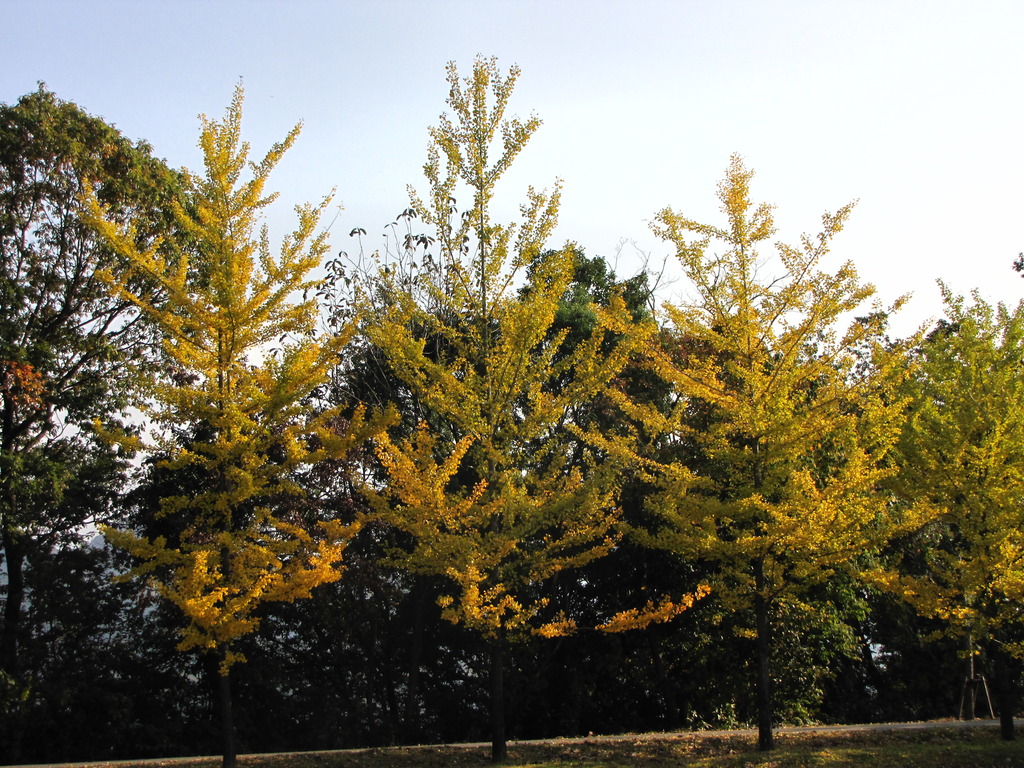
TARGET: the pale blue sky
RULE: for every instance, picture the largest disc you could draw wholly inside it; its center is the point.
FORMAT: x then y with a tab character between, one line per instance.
914	108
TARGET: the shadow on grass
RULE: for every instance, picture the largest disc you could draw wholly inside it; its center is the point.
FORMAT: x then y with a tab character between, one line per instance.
935	748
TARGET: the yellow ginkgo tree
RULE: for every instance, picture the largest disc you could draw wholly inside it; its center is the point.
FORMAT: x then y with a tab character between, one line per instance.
785	416
241	357
494	489
962	454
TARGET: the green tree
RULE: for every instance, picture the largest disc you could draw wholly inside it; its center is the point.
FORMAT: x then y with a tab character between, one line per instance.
494	489
69	351
962	454
786	432
242	357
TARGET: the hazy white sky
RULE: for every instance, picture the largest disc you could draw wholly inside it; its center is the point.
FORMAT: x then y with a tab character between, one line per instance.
914	108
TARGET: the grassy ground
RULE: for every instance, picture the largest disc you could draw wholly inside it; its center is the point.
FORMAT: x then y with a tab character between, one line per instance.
941	748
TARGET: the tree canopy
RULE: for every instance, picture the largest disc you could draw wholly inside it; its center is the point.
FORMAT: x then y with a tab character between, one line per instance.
242	358
496	490
69	350
781	485
962	456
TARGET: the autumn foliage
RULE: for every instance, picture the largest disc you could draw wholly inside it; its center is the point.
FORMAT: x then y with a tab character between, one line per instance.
242	357
485	451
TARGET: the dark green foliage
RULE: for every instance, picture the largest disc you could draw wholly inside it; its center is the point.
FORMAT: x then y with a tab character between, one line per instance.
69	353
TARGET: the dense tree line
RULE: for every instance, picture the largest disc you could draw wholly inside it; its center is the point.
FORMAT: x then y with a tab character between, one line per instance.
470	485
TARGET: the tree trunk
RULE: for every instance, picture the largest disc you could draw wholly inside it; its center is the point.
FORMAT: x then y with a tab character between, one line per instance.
412	704
970	689
1006	689
671	716
14	559
390	695
499	749
765	738
11	727
227	717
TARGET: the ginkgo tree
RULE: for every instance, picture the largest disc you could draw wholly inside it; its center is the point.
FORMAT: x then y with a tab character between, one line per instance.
962	454
796	414
241	356
494	489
